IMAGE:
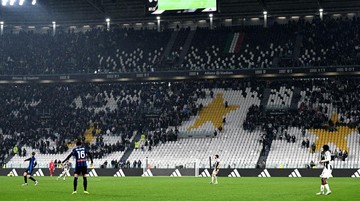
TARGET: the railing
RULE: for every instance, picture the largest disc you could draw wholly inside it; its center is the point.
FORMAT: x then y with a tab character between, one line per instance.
183	75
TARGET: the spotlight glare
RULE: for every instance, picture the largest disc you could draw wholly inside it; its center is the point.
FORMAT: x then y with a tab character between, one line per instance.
158	17
211	15
4	2
12	2
33	2
107	19
21	2
321	10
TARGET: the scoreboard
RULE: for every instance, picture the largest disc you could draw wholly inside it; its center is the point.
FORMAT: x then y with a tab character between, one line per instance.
180	6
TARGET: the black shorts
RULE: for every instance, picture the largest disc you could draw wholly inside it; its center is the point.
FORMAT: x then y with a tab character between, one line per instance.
81	170
29	171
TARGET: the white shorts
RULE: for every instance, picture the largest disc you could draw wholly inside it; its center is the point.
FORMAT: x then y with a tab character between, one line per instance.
326	173
215	171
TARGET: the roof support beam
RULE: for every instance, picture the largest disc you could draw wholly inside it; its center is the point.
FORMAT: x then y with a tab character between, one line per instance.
98	5
319	2
262	4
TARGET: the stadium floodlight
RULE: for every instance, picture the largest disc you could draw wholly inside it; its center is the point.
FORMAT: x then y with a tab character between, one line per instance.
158	17
107	19
1	22
321	10
53	22
265	12
4	2
21	2
33	2
12	2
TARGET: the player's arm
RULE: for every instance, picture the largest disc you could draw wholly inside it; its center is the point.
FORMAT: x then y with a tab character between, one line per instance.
67	158
327	158
218	165
90	156
27	159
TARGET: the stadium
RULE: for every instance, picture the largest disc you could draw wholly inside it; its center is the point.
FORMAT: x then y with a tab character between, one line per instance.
155	99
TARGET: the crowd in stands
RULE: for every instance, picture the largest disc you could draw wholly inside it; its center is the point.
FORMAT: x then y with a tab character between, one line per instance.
50	117
97	50
341	95
327	42
331	42
122	164
322	98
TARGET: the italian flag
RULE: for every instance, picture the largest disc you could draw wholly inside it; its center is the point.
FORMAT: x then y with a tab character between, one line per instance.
234	42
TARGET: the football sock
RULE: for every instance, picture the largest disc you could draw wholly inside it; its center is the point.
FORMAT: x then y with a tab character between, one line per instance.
85	183
32	178
327	187
322	188
215	179
75	183
25	179
212	179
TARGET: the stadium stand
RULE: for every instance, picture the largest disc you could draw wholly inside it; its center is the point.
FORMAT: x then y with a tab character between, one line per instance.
186	120
236	147
244	121
295	44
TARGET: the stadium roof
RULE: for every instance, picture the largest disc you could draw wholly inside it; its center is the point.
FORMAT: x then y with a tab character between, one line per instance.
95	11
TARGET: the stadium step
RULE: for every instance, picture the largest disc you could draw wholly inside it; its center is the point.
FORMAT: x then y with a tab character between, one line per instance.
186	47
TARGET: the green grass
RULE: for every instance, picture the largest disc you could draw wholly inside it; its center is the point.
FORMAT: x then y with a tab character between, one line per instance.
183	188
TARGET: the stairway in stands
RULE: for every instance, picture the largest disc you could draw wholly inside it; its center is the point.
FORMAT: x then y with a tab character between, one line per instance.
295	100
88	135
128	151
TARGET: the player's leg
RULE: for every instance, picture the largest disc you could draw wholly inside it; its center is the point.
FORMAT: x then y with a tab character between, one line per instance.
25	178
33	179
215	178
85	175
61	174
28	175
76	175
75	182
65	172
212	177
328	191
321	187
85	183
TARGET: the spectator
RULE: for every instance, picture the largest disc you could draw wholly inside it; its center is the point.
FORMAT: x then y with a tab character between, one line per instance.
215	133
344	155
303	144
313	147
139	163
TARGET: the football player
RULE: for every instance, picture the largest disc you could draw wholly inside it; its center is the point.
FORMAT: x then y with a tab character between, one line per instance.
216	170
326	173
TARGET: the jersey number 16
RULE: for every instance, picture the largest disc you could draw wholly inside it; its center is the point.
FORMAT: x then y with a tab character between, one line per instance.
81	154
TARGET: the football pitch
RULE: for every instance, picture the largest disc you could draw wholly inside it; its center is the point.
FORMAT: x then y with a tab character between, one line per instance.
178	188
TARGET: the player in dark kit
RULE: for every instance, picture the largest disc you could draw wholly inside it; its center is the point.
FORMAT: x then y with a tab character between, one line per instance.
29	170
80	153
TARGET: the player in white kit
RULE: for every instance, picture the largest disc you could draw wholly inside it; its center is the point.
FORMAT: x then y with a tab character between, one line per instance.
326	173
66	170
215	171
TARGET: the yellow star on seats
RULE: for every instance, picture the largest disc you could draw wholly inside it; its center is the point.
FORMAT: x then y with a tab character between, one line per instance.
213	112
338	137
